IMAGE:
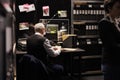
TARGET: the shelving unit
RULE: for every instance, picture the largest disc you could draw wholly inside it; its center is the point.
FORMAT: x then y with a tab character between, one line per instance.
86	14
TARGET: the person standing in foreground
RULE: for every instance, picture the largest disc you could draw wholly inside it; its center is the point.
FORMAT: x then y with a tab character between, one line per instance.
110	36
40	47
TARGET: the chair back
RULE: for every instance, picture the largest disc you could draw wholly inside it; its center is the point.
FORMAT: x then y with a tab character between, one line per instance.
31	68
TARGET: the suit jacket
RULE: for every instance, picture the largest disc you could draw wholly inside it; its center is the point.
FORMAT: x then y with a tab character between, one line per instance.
110	37
35	47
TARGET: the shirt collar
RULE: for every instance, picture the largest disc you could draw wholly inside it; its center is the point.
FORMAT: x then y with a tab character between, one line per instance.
37	33
111	20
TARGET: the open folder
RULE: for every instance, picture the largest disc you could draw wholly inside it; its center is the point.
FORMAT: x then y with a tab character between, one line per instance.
69	40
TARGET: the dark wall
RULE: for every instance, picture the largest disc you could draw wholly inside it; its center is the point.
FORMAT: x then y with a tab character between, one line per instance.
34	16
23	16
55	5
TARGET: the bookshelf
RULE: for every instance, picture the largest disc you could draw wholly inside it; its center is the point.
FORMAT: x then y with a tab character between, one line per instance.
86	14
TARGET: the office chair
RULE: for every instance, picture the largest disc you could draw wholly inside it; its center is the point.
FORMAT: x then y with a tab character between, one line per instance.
31	68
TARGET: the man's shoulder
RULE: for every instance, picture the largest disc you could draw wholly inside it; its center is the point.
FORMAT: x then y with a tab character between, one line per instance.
39	37
32	36
36	39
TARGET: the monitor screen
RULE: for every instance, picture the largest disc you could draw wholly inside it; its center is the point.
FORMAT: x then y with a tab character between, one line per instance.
51	31
56	22
51	28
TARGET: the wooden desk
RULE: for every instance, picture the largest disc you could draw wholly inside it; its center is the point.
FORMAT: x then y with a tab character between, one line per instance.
72	54
63	50
66	58
72	50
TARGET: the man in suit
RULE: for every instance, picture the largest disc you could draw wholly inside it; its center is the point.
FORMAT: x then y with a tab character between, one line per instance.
40	47
110	36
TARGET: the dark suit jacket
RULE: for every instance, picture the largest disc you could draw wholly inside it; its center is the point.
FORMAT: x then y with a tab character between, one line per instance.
35	47
111	41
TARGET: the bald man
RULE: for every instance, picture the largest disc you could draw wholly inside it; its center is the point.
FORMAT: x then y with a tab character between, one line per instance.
40	47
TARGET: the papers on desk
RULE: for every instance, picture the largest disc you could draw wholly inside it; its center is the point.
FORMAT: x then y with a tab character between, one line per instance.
72	50
69	49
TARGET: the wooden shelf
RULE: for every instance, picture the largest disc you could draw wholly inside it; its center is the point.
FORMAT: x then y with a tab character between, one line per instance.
84	22
86	2
88	36
92	72
80	2
79	22
91	57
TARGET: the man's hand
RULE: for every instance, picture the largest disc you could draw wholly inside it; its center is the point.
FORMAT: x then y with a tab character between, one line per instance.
56	47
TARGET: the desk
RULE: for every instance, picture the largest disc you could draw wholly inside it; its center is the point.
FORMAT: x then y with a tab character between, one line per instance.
70	58
63	50
73	53
66	58
72	50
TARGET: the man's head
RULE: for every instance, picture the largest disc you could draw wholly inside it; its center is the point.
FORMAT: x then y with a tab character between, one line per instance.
112	7
40	27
